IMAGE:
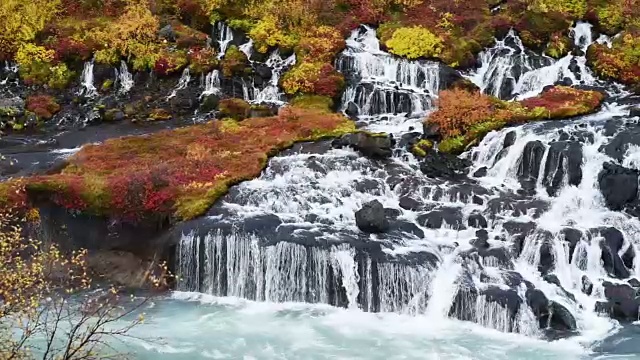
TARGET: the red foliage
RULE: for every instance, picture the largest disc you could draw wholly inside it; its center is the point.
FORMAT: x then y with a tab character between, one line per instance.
43	106
67	49
329	83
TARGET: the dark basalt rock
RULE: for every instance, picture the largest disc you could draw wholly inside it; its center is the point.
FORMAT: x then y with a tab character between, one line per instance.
482	172
587	285
440	165
572	237
374	146
634	282
371	218
352	109
167	33
634	111
617	147
436	218
209	103
622	302
409	203
615	265
477	220
563	159
509	139
618	185
430	132
561	318
529	166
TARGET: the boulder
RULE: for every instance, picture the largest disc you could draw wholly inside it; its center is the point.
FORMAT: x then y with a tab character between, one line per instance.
563	160
167	33
530	161
635	111
618	185
587	285
572	237
371	218
440	165
370	145
444	215
352	109
509	139
612	243
477	220
622	302
11	107
209	103
481	172
409	203
561	318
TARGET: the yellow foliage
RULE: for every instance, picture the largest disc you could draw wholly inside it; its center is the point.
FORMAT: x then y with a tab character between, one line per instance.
414	42
267	33
22	20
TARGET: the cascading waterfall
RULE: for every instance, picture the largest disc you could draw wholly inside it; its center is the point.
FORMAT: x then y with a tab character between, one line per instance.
86	82
225	37
183	82
387	85
124	78
270	93
212	83
488	250
508	69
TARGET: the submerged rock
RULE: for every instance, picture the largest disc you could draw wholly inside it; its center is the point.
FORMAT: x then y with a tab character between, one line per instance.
618	185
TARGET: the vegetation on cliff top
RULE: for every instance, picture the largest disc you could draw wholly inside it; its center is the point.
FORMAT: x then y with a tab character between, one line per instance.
464	117
177	173
46	36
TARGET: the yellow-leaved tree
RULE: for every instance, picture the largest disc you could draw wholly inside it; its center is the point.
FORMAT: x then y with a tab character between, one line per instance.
49	308
22	20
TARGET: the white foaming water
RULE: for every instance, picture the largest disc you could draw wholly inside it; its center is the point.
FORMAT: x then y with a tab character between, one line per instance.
212	83
291	235
183	82
388	85
247	48
125	79
508	69
271	93
86	80
225	37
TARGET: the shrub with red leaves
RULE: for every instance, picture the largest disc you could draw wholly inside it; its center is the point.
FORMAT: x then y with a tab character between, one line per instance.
44	106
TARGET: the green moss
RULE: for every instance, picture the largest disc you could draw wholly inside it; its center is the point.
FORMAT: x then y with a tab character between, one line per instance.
421	147
107	84
234	63
452	145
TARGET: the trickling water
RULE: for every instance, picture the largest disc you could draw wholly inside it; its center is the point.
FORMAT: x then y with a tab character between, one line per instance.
183	82
88	89
247	48
124	77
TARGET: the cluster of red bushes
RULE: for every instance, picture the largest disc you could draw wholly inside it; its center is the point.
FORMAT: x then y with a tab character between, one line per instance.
44	106
176	173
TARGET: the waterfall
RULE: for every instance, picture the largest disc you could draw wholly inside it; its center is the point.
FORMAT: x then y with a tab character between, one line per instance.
509	70
247	48
224	38
124	77
183	82
271	93
508	247
87	89
387	84
212	83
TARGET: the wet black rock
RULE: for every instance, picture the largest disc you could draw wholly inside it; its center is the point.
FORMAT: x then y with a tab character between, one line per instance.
529	165
618	185
481	240
622	302
263	71
572	237
563	160
209	103
587	285
547	257
634	111
616	265
409	203
352	109
430	132
482	172
627	135
444	215
476	220
634	282
509	139
477	200
508	299
374	146
371	218
11	107
538	302
440	165
391	213
561	318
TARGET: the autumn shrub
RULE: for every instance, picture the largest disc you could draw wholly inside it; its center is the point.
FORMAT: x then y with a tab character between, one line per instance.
267	34
316	102
235	62
21	22
202	60
320	44
559	45
621	62
234	108
177	173
38	66
187	37
464	117
414	42
170	62
44	106
313	78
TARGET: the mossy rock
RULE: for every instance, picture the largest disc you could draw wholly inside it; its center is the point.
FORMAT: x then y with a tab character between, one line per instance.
113	115
159	115
209	102
236	109
421	147
107	85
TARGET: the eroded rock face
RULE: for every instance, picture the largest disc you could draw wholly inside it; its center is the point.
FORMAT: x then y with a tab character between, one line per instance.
622	301
440	165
